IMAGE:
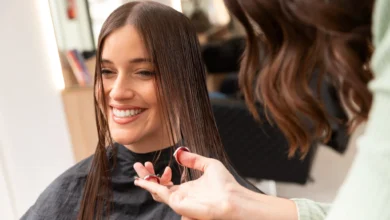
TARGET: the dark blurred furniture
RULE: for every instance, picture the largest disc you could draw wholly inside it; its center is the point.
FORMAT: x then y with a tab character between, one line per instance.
258	150
223	56
229	85
338	117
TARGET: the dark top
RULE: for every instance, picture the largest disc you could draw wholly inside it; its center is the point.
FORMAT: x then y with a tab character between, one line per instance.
61	199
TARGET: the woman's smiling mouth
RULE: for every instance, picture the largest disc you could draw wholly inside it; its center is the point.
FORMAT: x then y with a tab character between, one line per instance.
124	116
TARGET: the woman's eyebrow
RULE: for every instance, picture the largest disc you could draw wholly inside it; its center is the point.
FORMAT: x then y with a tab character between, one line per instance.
106	61
135	60
140	60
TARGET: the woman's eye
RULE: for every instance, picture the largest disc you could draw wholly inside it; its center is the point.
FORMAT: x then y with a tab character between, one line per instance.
146	73
106	71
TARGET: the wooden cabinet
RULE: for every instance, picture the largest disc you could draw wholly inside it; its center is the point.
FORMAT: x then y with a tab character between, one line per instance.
79	110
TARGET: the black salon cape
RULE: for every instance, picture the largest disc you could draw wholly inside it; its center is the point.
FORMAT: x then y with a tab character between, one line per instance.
61	200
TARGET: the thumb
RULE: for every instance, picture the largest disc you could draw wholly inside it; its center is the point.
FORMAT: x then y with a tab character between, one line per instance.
194	161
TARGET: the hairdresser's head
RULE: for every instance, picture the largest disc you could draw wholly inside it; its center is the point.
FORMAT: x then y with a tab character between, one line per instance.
149	75
287	41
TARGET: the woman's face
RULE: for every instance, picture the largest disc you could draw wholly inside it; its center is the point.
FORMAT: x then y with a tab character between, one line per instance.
128	77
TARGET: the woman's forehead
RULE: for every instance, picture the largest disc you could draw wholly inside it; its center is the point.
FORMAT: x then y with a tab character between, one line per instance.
125	43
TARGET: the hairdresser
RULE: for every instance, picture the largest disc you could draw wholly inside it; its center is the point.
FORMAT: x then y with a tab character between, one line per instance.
350	42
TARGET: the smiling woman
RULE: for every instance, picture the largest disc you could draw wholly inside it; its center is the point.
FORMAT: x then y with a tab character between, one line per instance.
150	98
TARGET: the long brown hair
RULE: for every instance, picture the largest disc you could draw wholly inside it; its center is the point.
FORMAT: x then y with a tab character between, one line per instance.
287	40
173	47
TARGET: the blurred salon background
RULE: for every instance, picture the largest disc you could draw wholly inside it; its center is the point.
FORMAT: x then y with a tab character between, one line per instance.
47	120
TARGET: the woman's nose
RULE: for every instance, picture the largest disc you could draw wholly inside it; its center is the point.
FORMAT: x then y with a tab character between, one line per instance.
121	88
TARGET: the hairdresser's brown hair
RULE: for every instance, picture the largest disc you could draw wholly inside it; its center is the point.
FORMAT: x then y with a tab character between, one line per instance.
174	49
287	40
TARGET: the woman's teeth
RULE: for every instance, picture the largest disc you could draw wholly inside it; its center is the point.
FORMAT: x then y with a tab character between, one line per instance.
126	113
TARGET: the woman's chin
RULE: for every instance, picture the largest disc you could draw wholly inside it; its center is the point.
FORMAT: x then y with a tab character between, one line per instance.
123	139
123	136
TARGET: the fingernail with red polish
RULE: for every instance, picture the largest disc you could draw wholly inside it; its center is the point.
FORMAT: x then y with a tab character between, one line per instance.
179	150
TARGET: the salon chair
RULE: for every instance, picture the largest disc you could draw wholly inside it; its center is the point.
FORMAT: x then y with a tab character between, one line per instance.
258	150
332	103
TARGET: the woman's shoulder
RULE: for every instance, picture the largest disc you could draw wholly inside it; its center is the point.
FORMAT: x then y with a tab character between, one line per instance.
62	197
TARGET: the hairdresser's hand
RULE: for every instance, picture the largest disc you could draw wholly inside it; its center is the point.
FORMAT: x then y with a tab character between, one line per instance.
148	169
216	195
212	196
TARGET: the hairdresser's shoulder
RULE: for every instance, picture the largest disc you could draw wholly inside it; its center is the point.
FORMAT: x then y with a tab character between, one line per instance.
60	200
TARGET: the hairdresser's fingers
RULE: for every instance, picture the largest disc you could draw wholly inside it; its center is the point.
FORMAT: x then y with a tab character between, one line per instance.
141	170
187	218
166	176
160	193
147	172
195	161
149	167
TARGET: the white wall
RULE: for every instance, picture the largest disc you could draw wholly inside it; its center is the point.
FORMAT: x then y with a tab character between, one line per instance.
7	210
34	139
